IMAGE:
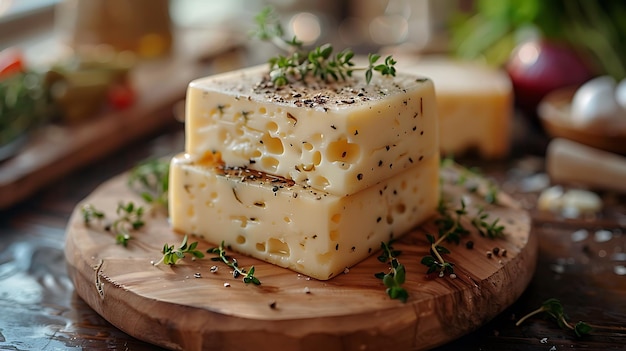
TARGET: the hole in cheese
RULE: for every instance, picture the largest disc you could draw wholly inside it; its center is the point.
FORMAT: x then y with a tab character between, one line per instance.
273	145
317	158
270	163
277	247
343	151
321	182
389	219
336	218
240	239
260	247
271	127
323	259
334	235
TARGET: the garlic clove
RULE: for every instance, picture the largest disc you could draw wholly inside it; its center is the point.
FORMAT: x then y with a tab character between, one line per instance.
595	105
620	93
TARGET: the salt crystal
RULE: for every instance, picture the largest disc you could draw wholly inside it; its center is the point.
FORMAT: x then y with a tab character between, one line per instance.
603	236
535	183
619	270
544	341
580	235
557	268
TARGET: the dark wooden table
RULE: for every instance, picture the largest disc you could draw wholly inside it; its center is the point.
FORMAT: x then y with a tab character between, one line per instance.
39	309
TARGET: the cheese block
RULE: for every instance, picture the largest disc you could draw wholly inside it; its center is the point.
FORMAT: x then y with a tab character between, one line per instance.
474	103
337	137
295	226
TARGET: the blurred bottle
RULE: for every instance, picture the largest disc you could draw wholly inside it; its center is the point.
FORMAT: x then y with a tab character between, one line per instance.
141	26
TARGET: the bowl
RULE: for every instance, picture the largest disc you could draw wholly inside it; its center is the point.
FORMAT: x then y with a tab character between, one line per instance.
554	113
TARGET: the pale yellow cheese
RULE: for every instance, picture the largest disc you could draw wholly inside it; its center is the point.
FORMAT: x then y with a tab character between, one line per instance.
340	138
474	102
295	226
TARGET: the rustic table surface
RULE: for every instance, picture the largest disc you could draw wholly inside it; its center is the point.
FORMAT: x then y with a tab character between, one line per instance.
582	262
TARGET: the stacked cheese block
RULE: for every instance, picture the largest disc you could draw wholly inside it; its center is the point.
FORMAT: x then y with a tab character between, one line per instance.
474	102
311	177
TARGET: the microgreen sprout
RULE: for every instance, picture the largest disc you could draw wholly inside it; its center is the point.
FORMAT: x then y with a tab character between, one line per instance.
395	278
150	179
90	213
171	255
129	218
248	275
451	228
554	309
318	62
488	229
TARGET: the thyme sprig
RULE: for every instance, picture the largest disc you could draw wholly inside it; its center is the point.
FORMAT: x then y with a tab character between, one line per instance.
396	276
129	218
171	255
150	178
248	275
487	229
554	309
452	225
318	62
90	214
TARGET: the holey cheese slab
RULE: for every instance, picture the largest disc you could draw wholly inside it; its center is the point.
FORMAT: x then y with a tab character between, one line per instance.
189	307
339	137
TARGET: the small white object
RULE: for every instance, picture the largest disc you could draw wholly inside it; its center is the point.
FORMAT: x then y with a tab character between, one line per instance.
583	201
620	93
580	235
594	105
571	203
551	199
603	236
619	270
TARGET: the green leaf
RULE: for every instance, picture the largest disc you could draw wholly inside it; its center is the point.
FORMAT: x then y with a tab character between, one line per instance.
400	275
582	328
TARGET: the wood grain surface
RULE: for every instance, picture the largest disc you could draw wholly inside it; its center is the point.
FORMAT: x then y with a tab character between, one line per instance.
187	307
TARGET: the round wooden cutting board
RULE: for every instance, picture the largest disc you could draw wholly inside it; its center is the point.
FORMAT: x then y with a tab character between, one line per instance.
188	307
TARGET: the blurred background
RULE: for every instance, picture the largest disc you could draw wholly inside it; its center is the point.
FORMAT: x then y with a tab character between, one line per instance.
68	63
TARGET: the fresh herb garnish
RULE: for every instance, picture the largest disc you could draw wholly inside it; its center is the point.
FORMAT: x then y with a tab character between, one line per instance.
129	218
248	275
453	223
90	213
171	255
553	308
488	229
150	179
318	62
397	273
